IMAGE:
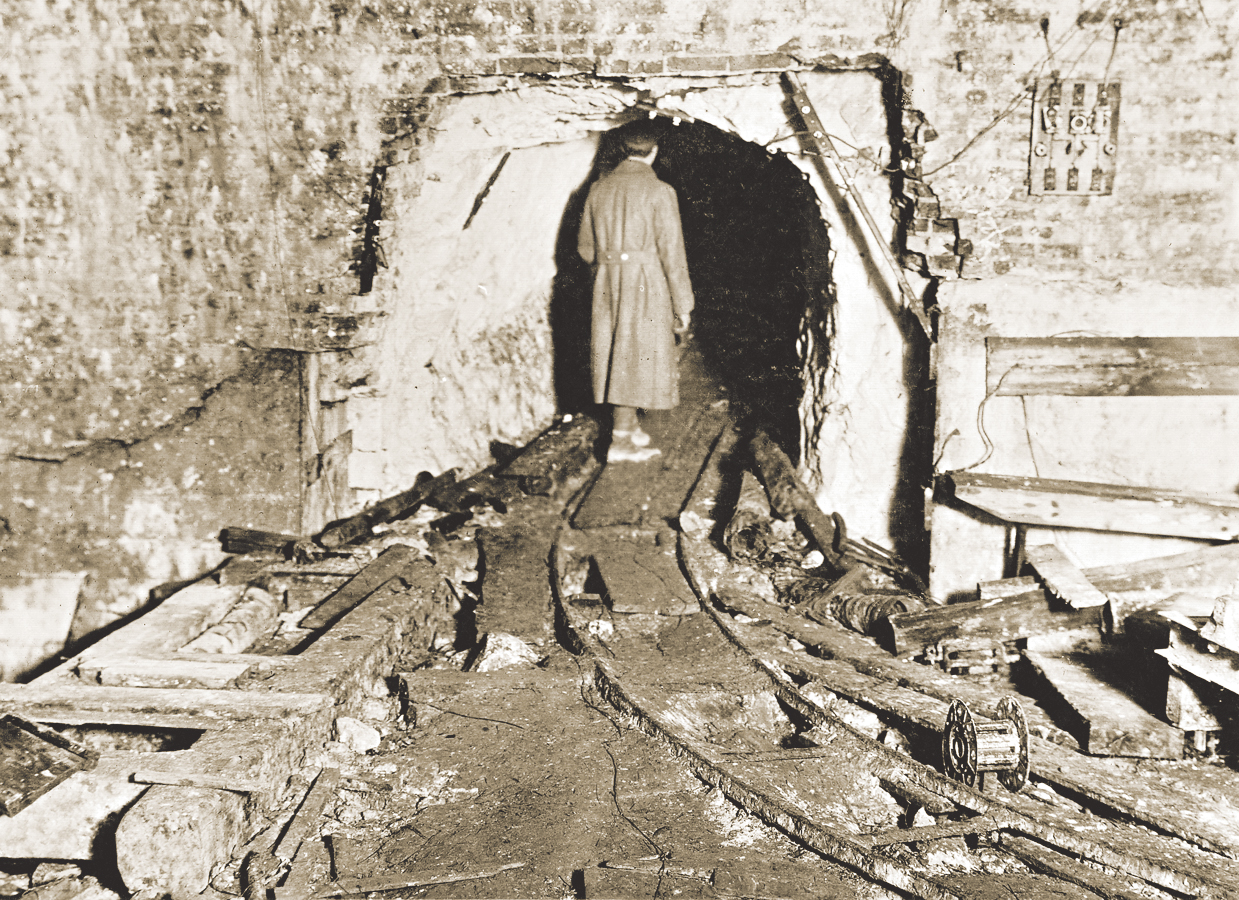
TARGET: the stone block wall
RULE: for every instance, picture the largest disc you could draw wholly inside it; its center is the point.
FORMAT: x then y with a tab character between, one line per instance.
184	190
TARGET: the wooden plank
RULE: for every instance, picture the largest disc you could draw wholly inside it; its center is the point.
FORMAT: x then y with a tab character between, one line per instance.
163	673
248	540
516	580
1192	704
383	569
164	629
77	704
973	825
1112	723
642	577
1134	586
33	760
1220	667
1062	578
1112	366
347	886
1054	503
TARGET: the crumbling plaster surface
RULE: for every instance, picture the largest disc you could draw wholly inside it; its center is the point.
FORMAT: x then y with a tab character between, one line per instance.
1184	443
467	352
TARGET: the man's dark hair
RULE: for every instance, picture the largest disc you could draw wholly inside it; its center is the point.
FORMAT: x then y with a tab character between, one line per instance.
642	136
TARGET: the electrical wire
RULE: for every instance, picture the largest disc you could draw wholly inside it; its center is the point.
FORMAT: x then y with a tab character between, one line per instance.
1033	74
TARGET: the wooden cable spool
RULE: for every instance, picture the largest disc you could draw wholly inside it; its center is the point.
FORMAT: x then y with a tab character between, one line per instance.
970	748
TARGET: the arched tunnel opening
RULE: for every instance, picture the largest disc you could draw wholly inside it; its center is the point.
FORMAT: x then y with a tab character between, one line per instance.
758	256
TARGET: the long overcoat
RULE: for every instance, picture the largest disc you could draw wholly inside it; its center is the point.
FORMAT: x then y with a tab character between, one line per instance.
631	235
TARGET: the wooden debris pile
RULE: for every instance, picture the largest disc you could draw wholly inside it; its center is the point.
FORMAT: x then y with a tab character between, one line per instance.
818	572
1093	637
200	714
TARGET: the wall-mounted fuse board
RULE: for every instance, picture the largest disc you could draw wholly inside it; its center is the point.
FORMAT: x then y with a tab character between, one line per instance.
1075	137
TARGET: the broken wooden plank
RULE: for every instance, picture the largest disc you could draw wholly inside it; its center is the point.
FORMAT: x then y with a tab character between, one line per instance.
33	760
345	531
1112	366
1062	578
383	569
1111	722
642	577
1054	503
1135	586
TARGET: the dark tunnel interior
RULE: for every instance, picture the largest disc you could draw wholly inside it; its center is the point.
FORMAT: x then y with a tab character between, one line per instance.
758	258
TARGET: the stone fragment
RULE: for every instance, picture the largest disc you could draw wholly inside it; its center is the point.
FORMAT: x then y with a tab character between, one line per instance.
503	651
357	735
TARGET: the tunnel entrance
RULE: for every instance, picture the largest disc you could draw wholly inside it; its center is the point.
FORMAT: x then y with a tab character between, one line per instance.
758	256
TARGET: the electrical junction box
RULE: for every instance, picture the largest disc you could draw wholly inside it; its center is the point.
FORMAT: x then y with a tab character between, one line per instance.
1075	138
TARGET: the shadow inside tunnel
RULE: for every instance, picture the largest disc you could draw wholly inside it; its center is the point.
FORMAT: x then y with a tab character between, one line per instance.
758	257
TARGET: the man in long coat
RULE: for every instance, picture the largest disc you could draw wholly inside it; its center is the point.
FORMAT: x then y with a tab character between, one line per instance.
631	235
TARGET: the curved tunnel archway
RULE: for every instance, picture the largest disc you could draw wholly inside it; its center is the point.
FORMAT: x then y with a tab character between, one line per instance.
758	256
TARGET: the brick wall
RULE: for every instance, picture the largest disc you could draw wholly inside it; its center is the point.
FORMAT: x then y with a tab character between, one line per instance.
182	181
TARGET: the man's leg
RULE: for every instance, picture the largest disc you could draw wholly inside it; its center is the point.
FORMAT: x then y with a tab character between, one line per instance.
625	422
628	442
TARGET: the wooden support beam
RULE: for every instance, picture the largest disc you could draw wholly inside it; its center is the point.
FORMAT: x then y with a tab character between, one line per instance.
1134	586
1111	722
1062	578
555	456
1112	366
345	531
1053	503
789	497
